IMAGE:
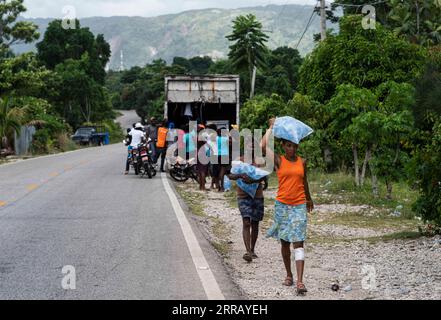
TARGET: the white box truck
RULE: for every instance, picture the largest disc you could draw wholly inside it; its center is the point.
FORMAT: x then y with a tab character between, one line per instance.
208	99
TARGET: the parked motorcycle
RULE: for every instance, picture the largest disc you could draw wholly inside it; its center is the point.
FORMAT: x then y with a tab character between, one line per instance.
145	161
181	170
141	159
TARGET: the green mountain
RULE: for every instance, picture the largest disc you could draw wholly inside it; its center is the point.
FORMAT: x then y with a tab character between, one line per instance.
192	33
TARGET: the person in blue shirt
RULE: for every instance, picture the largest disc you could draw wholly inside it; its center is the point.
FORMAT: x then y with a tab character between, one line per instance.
190	138
223	153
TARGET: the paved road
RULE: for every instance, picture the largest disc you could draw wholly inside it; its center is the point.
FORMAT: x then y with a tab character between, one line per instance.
119	232
128	118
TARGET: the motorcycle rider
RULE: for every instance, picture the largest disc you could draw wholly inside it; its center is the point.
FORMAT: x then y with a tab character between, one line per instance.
137	136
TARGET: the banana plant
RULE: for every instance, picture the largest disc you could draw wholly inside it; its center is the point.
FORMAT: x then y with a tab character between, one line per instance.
10	120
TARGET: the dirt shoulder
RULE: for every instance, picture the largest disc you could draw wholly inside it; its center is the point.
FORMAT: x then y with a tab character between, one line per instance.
367	251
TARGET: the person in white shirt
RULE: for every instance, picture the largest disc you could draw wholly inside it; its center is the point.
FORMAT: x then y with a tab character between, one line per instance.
138	136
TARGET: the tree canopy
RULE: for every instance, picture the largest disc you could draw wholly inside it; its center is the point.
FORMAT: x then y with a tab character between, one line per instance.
363	58
13	31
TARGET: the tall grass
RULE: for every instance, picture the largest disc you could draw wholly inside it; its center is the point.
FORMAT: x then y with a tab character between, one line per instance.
340	188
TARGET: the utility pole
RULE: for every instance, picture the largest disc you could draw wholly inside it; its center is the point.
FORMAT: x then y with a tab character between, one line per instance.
253	82
323	19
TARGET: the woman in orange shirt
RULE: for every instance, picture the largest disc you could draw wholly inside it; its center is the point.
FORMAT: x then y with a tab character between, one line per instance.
292	204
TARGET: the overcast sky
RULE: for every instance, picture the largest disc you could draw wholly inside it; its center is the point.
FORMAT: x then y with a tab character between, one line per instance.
146	8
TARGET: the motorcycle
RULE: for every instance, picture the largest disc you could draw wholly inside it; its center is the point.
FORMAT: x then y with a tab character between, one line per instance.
141	159
145	161
181	170
133	160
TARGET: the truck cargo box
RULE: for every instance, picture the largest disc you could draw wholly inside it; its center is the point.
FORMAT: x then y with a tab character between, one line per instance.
208	99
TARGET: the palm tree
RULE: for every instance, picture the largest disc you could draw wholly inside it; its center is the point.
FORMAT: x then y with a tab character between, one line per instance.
10	120
249	50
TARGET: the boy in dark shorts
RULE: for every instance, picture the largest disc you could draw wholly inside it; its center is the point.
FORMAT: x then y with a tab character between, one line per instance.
251	210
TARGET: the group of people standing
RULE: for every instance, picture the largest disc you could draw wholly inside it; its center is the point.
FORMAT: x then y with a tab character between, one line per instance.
218	148
293	201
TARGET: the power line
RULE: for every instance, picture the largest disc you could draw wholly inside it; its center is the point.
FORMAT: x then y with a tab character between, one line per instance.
354	5
311	19
276	21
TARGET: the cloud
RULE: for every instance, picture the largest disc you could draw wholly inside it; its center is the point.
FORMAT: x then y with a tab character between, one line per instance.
146	8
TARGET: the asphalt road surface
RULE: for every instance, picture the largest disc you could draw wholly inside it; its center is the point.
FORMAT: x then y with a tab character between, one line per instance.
120	233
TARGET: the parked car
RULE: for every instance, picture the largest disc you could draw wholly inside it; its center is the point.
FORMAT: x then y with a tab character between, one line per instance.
91	135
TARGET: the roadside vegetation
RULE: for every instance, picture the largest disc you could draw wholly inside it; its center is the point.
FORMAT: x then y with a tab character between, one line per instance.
57	89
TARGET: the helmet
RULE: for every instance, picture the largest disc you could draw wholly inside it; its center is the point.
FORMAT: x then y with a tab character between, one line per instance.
139	126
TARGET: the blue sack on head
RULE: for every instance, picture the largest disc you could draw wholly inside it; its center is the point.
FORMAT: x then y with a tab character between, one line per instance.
291	129
239	167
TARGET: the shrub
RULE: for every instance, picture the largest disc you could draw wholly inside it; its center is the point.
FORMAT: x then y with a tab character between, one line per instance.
428	174
115	131
64	143
256	112
42	142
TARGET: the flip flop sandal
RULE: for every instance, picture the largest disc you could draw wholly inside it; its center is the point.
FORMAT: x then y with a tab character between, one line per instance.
301	289
288	282
247	257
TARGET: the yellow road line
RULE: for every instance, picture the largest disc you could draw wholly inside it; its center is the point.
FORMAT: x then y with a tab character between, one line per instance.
32	187
54	174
